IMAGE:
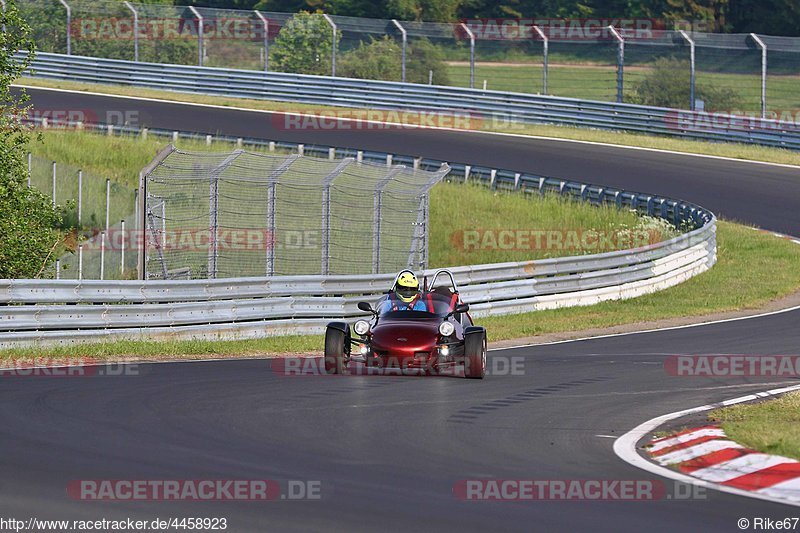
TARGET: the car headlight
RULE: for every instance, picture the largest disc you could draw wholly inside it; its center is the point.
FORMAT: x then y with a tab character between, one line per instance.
446	329
361	327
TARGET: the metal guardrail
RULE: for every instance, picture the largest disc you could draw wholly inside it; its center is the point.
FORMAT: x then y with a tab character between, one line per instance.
483	105
67	311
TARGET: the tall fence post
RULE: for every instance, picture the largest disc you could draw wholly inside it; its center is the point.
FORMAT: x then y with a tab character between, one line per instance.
762	45
326	214
69	26
404	44
122	248
545	54
80	261
80	197
54	184
265	24
333	44
108	202
199	18
620	62
377	207
471	54
692	69
135	29
141	194
102	254
271	202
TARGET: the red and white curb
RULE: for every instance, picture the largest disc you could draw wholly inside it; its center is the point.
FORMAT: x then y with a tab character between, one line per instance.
722	464
708	454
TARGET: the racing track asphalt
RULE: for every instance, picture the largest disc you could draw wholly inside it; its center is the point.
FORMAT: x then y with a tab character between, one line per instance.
388	450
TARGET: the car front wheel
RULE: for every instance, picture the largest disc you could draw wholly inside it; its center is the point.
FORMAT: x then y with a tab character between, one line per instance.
475	356
335	355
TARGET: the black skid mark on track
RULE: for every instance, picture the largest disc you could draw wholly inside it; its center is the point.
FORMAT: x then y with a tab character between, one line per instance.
470	414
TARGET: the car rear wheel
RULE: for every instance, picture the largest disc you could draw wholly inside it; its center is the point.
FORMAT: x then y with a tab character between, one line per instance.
475	356
335	355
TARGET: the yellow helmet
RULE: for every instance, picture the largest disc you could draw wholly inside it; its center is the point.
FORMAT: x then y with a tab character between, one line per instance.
407	286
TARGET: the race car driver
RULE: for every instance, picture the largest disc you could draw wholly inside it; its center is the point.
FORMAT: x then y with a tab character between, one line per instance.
406	295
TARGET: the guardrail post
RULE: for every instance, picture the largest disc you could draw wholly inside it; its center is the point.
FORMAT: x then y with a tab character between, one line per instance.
620	62
265	23
762	45
326	213
135	29
402	49
199	34
471	55
69	26
333	44
545	53
692	69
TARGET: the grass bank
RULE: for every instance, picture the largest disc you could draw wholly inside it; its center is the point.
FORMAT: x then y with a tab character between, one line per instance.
771	427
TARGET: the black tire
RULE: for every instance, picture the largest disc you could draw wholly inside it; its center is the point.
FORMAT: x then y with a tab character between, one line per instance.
475	356
335	351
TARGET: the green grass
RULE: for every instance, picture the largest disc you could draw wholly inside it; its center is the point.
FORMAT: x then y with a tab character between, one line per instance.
771	426
732	150
753	268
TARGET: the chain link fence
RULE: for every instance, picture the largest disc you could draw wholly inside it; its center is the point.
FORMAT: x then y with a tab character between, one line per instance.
100	216
744	73
238	214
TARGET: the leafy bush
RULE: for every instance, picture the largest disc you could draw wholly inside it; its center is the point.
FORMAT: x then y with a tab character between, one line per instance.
669	85
380	59
303	46
424	56
28	232
376	60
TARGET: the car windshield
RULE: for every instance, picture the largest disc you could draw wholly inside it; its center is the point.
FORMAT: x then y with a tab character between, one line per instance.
436	304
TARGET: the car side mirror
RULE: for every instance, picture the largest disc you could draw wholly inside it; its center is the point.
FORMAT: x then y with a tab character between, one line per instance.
364	306
460	308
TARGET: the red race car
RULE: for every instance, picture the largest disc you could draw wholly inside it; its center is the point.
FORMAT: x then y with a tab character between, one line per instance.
430	332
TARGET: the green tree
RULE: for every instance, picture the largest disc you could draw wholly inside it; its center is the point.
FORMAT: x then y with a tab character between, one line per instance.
28	223
303	45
